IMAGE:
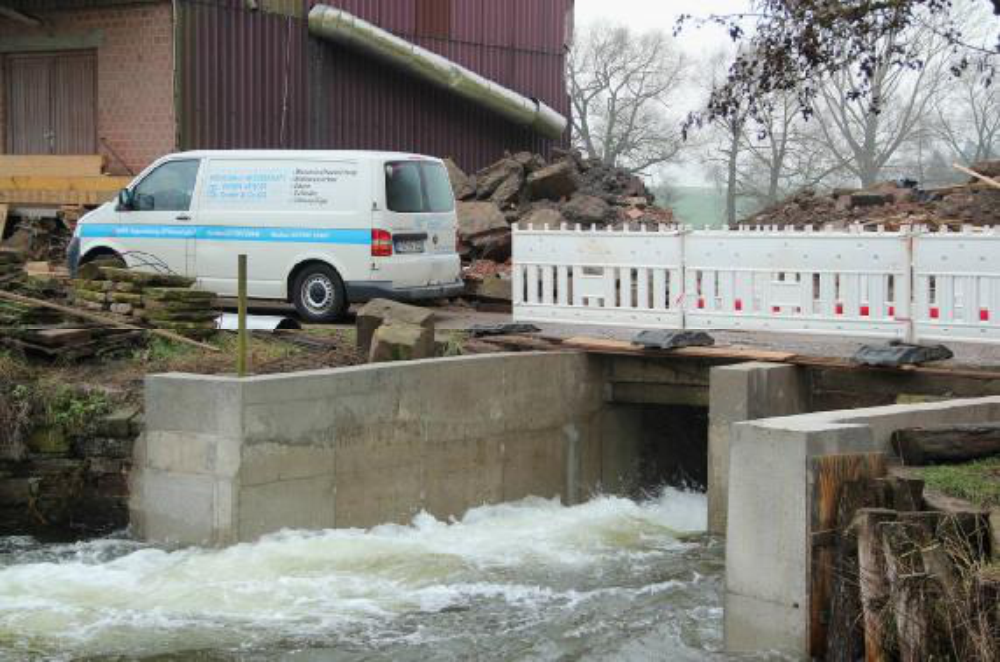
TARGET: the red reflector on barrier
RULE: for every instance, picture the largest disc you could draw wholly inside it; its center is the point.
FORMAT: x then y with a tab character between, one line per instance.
865	311
739	305
840	309
984	315
701	304
935	313
892	311
776	309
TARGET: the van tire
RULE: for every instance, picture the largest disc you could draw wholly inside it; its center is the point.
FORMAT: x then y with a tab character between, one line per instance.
319	294
105	255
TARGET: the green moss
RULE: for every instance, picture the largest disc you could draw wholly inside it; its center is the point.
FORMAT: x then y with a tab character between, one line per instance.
978	482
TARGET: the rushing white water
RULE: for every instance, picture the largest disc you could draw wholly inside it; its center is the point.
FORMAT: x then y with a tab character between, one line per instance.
529	580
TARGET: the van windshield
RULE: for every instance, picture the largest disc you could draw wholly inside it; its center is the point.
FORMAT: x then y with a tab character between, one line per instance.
416	187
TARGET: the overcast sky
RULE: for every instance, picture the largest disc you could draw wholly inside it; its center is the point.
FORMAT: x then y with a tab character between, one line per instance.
697	43
662	15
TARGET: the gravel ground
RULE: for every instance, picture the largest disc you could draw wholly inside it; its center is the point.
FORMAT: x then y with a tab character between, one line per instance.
458	318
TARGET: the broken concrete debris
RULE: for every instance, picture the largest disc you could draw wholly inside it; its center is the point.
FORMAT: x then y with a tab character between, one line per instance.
892	204
523	188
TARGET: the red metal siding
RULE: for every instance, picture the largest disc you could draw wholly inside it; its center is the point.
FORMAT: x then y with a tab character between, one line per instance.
242	72
242	79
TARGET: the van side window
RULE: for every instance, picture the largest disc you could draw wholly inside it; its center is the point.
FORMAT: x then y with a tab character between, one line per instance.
414	188
168	188
403	190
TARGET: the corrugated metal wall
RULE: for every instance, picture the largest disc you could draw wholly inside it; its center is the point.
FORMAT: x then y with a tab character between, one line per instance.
245	75
242	77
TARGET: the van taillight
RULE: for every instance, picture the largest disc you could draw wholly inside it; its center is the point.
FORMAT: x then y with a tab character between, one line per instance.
381	243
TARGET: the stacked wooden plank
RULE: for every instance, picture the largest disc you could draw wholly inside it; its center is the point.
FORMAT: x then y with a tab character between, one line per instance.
164	301
68	343
57	180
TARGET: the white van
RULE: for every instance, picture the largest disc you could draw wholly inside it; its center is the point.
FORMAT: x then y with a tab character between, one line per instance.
321	229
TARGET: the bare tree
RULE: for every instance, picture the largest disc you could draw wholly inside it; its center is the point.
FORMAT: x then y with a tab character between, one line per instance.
967	120
967	114
864	133
759	162
781	154
622	87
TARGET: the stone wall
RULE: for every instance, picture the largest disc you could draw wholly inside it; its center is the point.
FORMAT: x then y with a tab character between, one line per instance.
67	485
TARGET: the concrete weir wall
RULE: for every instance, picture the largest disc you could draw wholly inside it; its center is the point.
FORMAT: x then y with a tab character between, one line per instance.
225	460
772	475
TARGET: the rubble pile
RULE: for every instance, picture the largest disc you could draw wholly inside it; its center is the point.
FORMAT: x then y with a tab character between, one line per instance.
892	204
524	188
163	301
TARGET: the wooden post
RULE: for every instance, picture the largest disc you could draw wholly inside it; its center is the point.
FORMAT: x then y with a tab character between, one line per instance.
242	342
874	585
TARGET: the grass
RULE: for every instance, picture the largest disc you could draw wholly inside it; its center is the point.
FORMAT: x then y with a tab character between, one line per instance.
978	482
13	367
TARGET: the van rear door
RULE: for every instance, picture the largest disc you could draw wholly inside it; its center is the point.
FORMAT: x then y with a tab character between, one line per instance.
419	214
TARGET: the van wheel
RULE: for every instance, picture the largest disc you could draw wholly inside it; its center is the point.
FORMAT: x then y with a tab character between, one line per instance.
319	294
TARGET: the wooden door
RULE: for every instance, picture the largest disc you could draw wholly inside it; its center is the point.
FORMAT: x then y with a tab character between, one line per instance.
52	103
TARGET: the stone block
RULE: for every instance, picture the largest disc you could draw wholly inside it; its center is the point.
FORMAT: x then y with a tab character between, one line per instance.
479	218
380	311
398	341
117	424
106	447
462	185
554	182
490	179
50	439
588	210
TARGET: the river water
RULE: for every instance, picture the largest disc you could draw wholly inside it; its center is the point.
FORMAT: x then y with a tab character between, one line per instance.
532	580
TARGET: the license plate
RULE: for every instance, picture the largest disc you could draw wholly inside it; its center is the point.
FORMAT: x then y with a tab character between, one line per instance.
410	246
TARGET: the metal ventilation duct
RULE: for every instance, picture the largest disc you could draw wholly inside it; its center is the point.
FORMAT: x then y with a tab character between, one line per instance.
343	28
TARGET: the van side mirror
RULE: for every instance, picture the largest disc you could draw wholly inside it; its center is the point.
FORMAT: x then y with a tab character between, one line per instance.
126	200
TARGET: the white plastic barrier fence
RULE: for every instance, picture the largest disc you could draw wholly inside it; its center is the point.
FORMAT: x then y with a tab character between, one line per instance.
617	278
957	285
912	284
767	279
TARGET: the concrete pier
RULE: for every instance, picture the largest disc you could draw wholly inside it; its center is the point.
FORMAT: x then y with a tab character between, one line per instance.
771	505
739	393
225	460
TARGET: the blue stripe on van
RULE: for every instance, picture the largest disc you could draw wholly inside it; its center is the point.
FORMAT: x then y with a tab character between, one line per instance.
227	233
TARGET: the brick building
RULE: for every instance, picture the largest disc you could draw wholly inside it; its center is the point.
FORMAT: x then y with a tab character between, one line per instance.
134	79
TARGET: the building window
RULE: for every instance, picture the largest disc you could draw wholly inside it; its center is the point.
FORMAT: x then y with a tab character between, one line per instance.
434	18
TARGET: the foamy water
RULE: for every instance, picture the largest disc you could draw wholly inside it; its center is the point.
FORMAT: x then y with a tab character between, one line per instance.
529	580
